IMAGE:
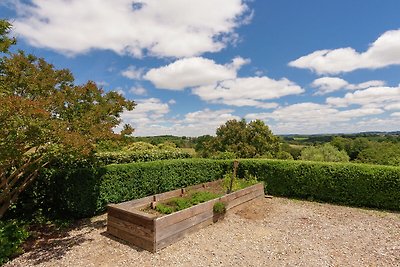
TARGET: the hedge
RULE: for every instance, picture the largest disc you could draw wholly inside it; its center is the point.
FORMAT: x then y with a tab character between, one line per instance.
84	192
106	158
362	185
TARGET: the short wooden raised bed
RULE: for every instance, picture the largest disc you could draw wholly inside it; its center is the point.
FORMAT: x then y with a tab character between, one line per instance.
152	232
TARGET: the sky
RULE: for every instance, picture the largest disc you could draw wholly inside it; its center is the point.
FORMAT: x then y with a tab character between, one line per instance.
303	67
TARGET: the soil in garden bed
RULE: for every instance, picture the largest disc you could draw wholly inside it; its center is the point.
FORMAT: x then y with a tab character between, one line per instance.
188	199
196	196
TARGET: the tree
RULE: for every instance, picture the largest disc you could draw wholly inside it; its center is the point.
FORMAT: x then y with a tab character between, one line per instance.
246	140
44	116
352	146
384	153
326	152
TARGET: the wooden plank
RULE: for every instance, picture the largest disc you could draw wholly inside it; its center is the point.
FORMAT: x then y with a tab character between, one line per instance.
243	199
183	225
132	228
242	192
169	194
178	216
133	203
172	239
132	239
131	217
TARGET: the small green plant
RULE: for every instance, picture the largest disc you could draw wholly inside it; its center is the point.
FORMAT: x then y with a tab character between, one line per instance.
164	209
12	235
180	203
219	207
203	196
238	183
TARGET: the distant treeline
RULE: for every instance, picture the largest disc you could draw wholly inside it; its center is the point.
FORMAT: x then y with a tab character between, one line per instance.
315	139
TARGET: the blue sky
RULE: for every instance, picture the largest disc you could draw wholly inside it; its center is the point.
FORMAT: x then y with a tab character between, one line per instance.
303	67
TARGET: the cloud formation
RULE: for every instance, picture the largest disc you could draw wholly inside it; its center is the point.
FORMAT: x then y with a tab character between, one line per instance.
385	51
326	85
133	73
191	72
168	28
150	118
311	117
383	97
250	91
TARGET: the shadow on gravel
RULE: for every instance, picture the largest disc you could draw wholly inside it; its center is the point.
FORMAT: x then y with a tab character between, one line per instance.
47	242
116	239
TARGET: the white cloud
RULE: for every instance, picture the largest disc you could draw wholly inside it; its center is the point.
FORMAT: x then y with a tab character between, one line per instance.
313	118
168	28
327	85
364	85
133	73
373	96
172	102
150	118
251	91
194	71
395	114
138	90
147	111
385	51
393	106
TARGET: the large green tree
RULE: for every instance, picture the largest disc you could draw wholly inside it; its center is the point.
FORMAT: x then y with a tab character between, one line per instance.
246	140
325	152
44	116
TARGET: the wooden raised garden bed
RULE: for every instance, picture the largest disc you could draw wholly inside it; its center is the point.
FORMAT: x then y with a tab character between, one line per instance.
153	232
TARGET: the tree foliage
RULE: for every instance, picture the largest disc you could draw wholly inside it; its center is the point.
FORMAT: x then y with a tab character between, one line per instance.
326	152
246	140
44	115
383	153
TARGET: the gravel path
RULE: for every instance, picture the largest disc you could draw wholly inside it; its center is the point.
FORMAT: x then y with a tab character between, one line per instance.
269	232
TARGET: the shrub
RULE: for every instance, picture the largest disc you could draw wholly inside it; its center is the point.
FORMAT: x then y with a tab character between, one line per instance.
219	207
12	235
326	152
84	192
346	183
139	146
106	158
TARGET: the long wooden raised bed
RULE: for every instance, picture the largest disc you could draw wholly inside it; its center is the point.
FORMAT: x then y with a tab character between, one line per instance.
151	232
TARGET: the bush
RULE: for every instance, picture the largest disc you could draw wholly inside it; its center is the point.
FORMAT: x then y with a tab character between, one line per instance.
84	192
346	183
106	158
219	207
326	152
12	235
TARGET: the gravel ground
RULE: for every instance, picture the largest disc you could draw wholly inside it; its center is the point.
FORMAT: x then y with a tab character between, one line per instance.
268	232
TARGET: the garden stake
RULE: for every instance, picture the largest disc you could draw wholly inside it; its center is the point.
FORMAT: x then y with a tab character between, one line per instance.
235	165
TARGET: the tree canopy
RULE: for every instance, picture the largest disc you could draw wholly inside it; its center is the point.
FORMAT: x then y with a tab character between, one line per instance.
44	115
326	152
246	140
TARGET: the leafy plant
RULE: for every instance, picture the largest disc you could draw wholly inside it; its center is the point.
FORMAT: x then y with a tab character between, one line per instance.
238	183
180	203
219	207
12	235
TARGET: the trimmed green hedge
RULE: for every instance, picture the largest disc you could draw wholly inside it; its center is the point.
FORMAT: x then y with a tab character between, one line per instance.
119	157
345	183
84	192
